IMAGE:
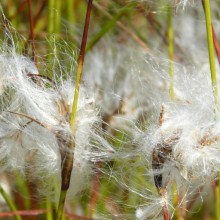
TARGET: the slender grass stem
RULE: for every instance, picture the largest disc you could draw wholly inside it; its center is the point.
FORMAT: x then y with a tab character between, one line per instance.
209	29
54	23
70	11
71	17
211	51
57	20
9	202
18	10
171	52
68	157
216	44
50	31
80	67
39	12
217	198
49	215
32	32
166	214
59	214
215	39
95	190
51	16
23	189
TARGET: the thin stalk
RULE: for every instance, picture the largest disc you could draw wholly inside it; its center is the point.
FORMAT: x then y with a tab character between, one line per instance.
166	214
171	52
95	190
9	202
57	20
215	39
59	214
157	164
38	13
33	204
70	11
11	8
49	215
217	199
51	16
32	32
67	158
71	17
35	20
80	67
211	51
209	30
57	25
171	74
23	199
19	10
216	44
50	31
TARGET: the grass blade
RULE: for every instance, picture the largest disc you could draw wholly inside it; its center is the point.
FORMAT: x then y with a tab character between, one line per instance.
9	202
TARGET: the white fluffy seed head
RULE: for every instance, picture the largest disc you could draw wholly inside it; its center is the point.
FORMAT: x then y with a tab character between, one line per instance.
187	128
35	114
125	81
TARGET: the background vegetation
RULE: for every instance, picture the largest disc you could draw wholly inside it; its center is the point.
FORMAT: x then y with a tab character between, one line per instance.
142	24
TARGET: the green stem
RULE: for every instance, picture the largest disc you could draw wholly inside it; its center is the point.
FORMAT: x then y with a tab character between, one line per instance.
70	11
211	51
50	30
215	39
51	16
9	202
171	52
80	67
71	17
59	214
23	189
49	209
67	158
32	32
217	198
209	30
57	21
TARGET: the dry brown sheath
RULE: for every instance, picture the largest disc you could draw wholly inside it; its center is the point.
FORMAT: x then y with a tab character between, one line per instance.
66	144
160	154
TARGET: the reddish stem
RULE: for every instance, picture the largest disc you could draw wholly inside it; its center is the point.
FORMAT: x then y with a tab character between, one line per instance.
19	10
85	34
215	39
162	192
33	204
166	213
216	44
38	14
95	190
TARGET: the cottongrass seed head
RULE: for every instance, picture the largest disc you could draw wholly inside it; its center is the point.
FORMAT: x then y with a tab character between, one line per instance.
34	122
